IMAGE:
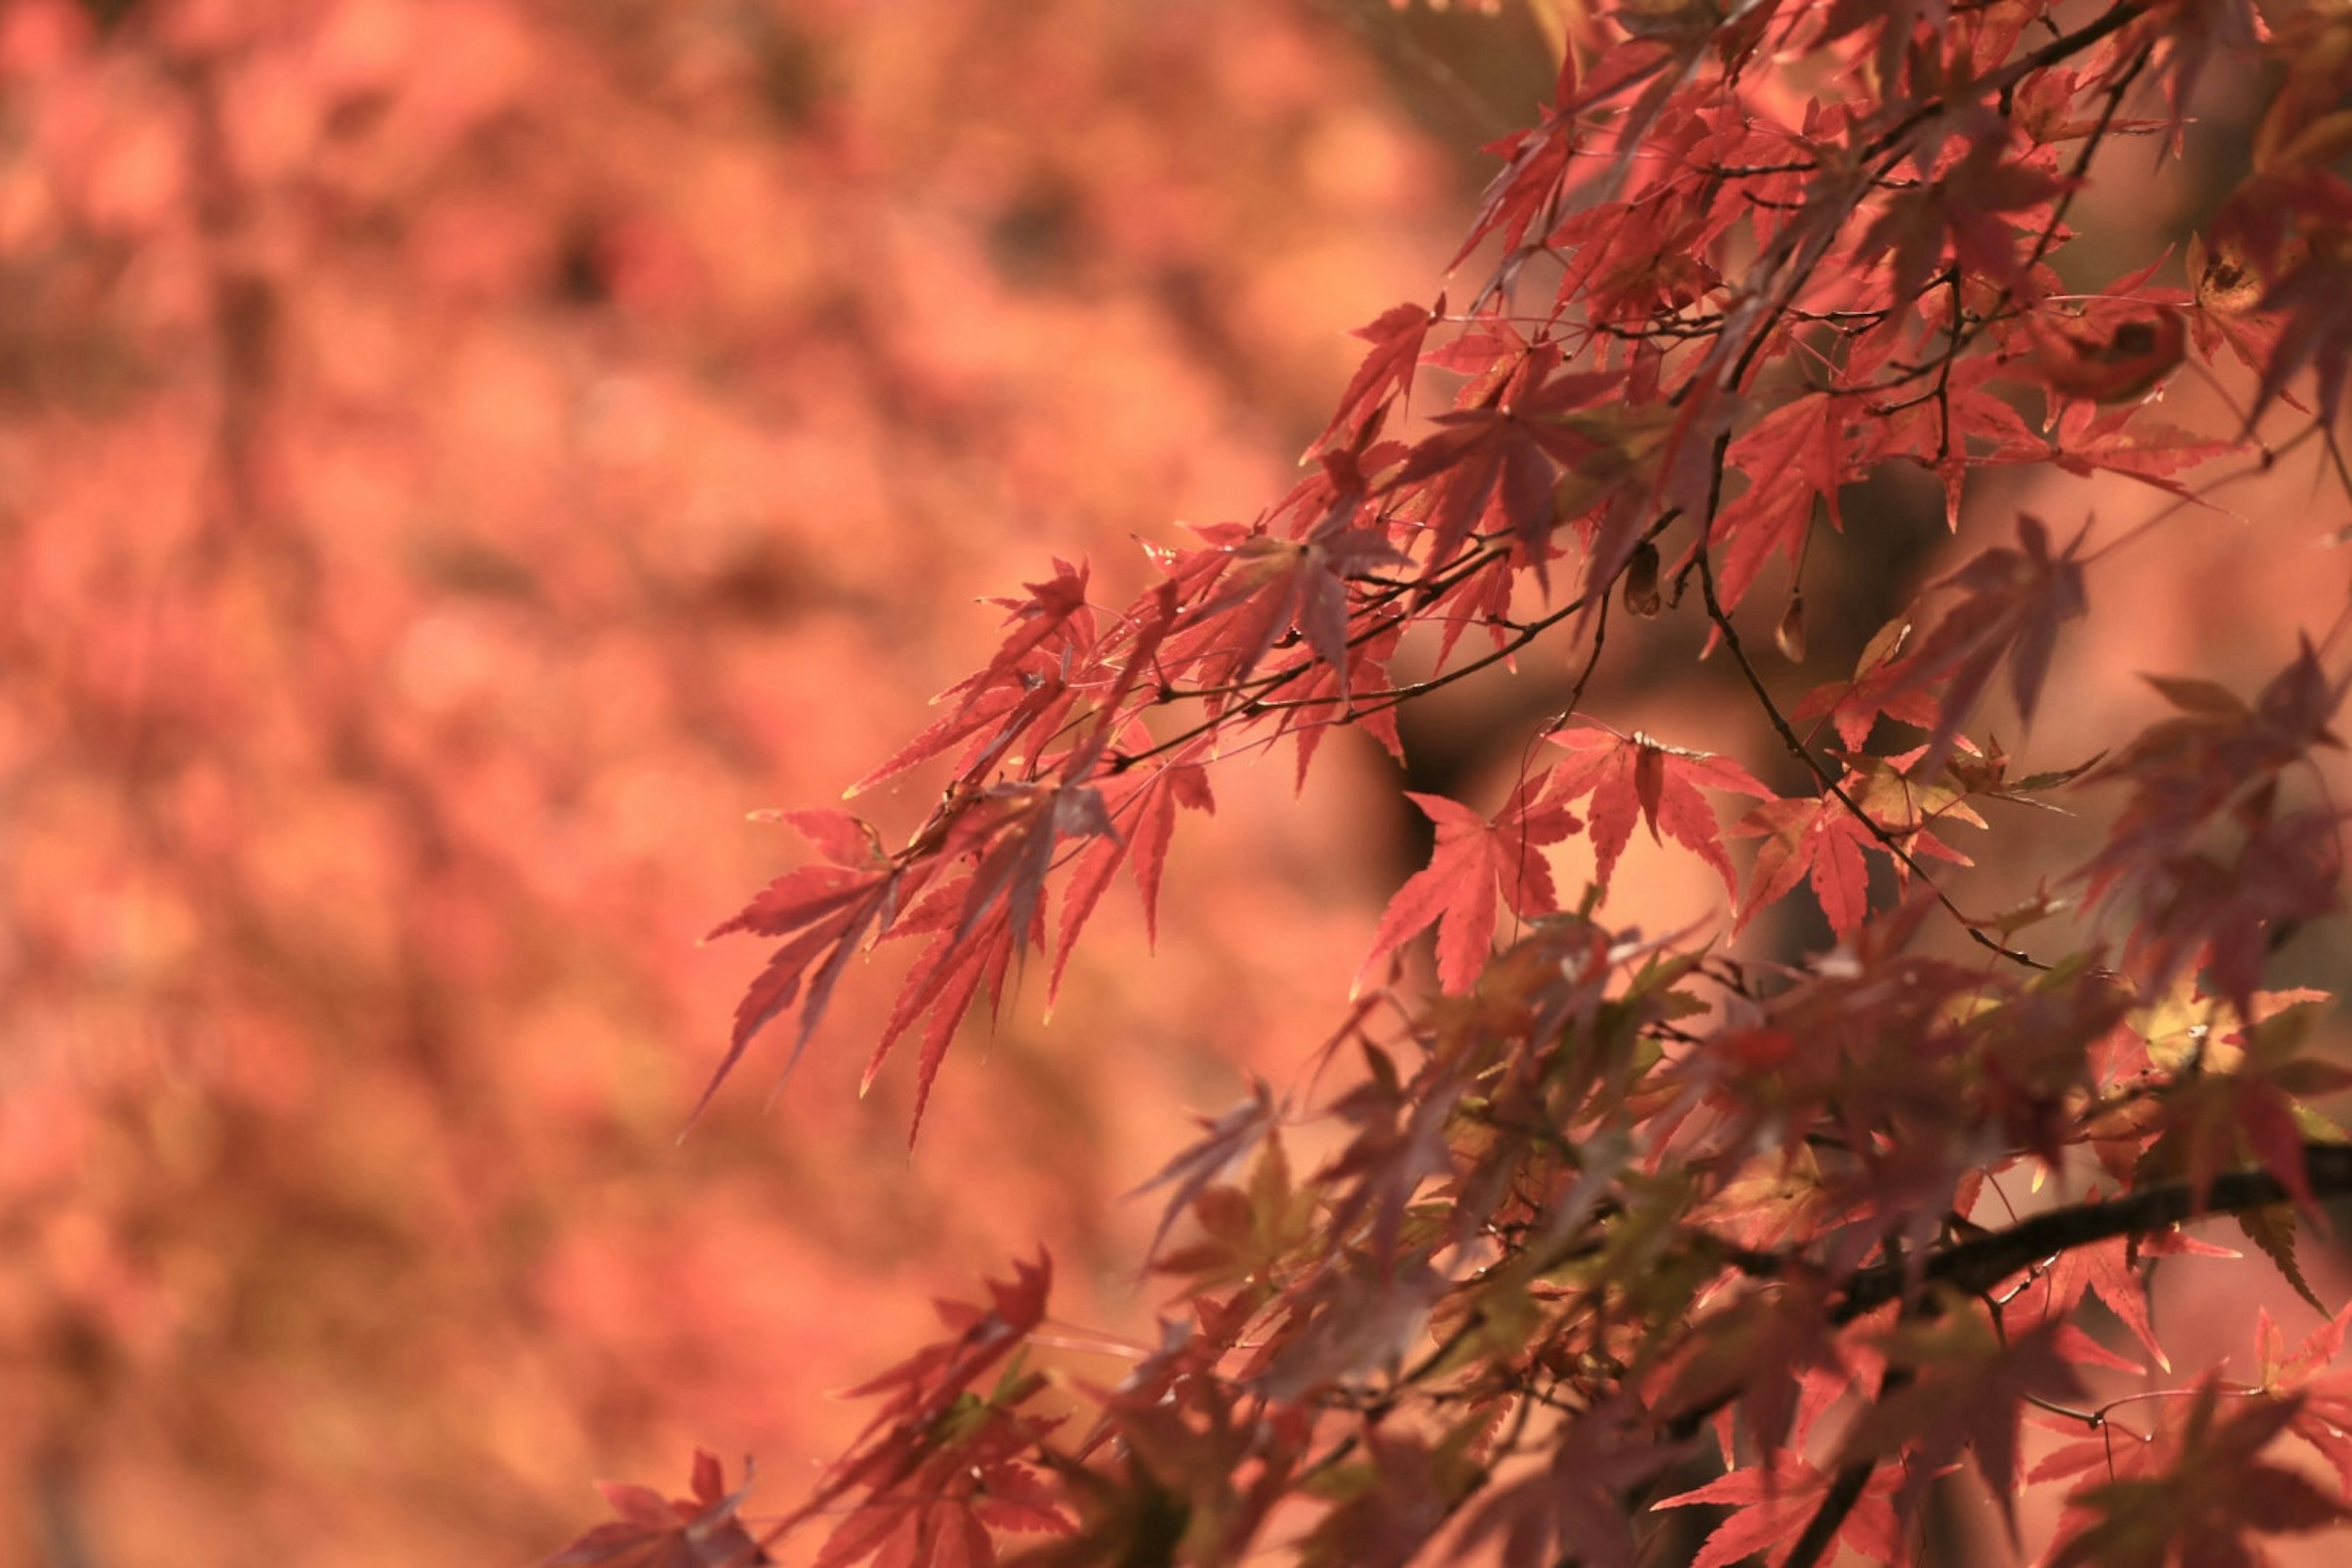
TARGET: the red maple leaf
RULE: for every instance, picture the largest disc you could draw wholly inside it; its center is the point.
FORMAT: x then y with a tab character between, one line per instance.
1507	453
825	911
2195	1495
2315	298
2148	450
1153	798
1272	590
1633	775
2323	1416
1853	707
1796	459
700	1531
1773	1351
1965	214
1050	605
2017	600
1817	837
1456	890
1773	1503
1967	1388
1574	1506
933	1459
1387	372
1528	187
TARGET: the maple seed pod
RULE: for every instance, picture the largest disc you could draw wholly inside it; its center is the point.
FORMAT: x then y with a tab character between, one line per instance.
1642	581
1788	636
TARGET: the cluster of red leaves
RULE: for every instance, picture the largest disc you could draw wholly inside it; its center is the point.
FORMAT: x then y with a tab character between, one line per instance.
1625	1189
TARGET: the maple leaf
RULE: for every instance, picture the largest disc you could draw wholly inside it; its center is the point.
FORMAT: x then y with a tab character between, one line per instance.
2251	1105
2120	442
700	1531
2199	1509
2109	360
2017	600
827	911
1456	890
1154	797
1773	1503
1815	838
1763	1349
1387	372
1853	707
2315	298
1051	606
1635	777
1274	589
1354	1320
1248	1233
1797	459
1226	1141
2103	1268
936	1447
1384	1511
983	922
1574	1505
2323	1416
1528	187
1967	1388
1506	454
1962	214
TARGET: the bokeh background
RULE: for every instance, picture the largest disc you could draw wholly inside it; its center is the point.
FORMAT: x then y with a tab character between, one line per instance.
458	458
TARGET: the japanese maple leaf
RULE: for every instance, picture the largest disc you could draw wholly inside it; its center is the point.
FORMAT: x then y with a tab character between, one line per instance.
1224	1142
2323	1416
984	923
2104	1268
1817	837
1050	605
1764	1350
1574	1507
1772	1504
700	1531
1530	186
2017	600
1963	213
1387	372
932	1423
2146	450
1386	1507
1853	707
2317	300
1508	454
1631	776
1153	797
1796	459
1456	890
2107	359
1275	588
2229	915
824	913
2210	1116
1021	824
1968	1387
2201	1508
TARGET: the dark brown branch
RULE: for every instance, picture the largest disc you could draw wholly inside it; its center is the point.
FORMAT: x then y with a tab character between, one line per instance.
1845	1489
1980	1265
1886	836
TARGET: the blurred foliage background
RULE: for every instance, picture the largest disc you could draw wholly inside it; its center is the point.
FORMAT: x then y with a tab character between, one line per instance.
457	458
460	458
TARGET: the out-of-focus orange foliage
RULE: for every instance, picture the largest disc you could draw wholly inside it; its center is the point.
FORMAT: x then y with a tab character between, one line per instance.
456	458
